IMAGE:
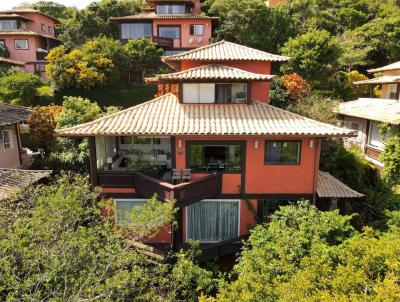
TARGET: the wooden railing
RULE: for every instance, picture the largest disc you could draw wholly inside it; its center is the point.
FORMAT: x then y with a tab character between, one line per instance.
184	194
165	42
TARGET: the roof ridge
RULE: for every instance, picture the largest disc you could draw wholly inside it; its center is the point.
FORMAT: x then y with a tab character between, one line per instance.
116	113
194	50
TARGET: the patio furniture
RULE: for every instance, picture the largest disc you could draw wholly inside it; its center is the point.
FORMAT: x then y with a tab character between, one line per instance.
176	175
187	175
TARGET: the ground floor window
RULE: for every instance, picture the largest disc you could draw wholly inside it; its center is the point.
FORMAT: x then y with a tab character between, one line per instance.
123	209
208	158
282	152
6	137
213	220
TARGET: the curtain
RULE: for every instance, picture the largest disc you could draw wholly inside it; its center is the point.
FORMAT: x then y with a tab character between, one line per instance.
210	221
135	30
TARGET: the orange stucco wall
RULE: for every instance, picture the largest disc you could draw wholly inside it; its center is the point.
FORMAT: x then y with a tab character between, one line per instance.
38	20
197	41
259	90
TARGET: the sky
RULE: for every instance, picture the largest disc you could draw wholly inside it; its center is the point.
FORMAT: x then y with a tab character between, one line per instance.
8	4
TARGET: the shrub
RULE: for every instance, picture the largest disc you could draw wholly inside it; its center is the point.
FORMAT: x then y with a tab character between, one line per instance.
19	88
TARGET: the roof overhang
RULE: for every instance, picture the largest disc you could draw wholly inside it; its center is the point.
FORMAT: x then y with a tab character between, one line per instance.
330	187
380	80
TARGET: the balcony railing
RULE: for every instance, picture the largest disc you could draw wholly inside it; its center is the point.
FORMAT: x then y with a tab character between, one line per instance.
185	194
164	42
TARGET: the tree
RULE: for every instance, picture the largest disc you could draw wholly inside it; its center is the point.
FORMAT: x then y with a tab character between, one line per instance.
50	8
314	55
297	87
143	56
19	87
99	62
391	160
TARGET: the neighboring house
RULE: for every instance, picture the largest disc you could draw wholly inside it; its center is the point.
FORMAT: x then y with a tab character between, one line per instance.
365	115
176	25
27	36
10	145
217	147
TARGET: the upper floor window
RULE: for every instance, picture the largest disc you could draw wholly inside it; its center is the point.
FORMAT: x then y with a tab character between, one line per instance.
197	30
43	27
21	44
8	24
393	91
210	93
6	136
172	32
375	138
50	30
170	9
282	152
135	30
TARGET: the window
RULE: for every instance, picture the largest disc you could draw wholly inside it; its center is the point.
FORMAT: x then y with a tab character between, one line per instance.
375	137
197	30
8	24
213	220
198	93
124	208
21	44
2	45
39	68
43	27
393	91
282	152
50	30
230	93
6	136
135	30
172	32
355	126
170	9
270	206
210	158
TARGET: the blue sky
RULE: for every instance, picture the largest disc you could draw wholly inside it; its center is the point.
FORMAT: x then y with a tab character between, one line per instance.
8	4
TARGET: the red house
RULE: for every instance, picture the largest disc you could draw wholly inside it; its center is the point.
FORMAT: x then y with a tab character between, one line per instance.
27	35
217	147
176	25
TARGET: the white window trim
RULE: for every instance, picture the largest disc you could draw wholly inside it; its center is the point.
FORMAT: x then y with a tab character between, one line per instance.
217	200
27	44
194	31
379	148
124	199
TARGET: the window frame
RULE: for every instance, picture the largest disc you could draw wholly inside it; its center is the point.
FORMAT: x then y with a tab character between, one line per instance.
50	29
168	6
169	25
17	40
298	163
233	200
192	31
242	144
126	200
43	27
10	141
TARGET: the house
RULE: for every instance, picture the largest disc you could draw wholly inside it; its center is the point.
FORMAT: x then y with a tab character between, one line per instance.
365	115
217	147
27	35
176	25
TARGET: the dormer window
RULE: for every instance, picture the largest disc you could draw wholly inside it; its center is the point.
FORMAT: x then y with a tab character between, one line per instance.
211	93
170	9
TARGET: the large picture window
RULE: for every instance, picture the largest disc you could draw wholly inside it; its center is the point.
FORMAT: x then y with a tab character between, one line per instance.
135	30
124	208
8	24
172	32
213	220
210	158
282	152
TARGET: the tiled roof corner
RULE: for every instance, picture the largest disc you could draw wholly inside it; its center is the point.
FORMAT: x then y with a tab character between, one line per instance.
13	114
330	187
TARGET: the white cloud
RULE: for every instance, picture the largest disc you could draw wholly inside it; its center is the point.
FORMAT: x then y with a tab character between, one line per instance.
9	4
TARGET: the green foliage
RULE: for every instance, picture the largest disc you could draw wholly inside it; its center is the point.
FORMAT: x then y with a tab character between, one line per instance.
19	88
314	55
60	248
51	8
252	23
278	96
143	55
391	160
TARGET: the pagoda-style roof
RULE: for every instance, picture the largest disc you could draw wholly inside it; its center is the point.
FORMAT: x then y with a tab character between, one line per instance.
330	187
225	51
380	80
210	72
379	110
154	16
14	180
393	66
6	61
28	10
13	114
167	116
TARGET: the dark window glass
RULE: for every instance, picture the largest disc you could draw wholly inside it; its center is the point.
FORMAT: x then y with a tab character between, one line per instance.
270	206
204	158
172	32
230	93
282	152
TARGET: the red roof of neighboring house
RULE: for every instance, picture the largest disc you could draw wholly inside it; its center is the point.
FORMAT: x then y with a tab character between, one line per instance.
28	10
11	62
153	16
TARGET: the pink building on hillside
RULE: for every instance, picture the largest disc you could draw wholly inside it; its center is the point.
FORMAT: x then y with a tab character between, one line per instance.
27	35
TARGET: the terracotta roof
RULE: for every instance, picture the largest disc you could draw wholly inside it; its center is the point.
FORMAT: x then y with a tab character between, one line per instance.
13	180
153	15
212	71
24	33
380	110
330	187
28	10
13	114
393	66
225	51
380	80
11	62
14	16
166	116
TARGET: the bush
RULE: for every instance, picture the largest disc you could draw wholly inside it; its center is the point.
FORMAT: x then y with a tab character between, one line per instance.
19	88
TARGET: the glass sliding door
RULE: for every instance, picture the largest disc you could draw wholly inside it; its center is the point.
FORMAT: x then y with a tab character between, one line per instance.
213	220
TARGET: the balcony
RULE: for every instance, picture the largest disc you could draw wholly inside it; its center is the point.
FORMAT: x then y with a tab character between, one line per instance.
164	42
185	194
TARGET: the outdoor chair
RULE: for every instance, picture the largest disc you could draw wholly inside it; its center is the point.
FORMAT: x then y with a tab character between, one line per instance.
176	175
187	175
